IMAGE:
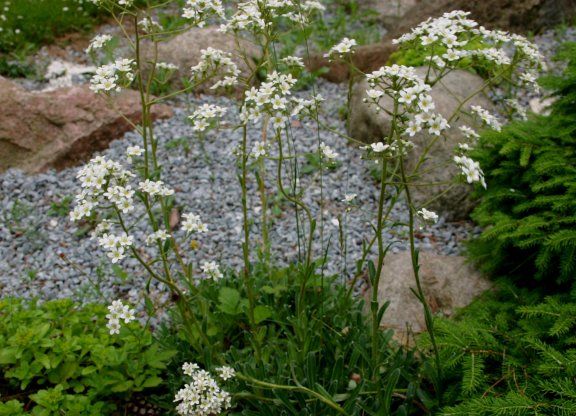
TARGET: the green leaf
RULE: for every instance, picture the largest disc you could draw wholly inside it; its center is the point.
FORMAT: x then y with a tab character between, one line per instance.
261	313
230	301
9	355
152	382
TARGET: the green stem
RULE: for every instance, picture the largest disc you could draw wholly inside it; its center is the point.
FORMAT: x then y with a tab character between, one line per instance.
415	267
298	388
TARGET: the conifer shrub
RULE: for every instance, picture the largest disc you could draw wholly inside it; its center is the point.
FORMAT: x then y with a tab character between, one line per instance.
510	353
529	208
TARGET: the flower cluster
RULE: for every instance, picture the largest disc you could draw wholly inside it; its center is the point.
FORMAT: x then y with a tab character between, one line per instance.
193	224
118	312
489	119
167	66
469	133
448	37
327	152
293	61
273	99
149	25
201	117
215	62
470	169
159	235
202	396
252	14
133	151
198	11
403	84
155	188
428	216
98	42
103	182
212	270
342	49
125	3
114	245
110	77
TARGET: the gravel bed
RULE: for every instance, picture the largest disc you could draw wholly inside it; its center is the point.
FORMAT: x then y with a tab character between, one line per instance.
43	254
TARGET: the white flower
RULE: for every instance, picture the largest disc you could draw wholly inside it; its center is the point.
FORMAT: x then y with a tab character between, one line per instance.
206	112
118	312
374	94
407	96
200	10
134	151
98	42
379	147
426	103
226	372
212	270
470	169
469	133
413	128
437	125
349	198
193	224
345	46
487	118
154	188
259	150
327	152
216	62
160	235
293	61
428	216
168	66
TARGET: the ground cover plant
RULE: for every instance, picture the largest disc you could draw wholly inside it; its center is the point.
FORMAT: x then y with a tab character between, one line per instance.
266	339
26	24
59	358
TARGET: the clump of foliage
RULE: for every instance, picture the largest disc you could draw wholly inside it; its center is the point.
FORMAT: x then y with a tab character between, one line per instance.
36	22
510	353
314	345
529	209
57	358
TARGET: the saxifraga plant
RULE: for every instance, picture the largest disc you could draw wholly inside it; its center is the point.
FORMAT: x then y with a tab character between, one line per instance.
265	111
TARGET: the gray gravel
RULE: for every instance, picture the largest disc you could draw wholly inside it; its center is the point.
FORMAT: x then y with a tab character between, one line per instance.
43	254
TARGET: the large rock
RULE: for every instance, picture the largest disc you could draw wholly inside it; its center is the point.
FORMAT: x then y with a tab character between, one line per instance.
518	16
184	51
62	127
448	283
369	125
389	12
